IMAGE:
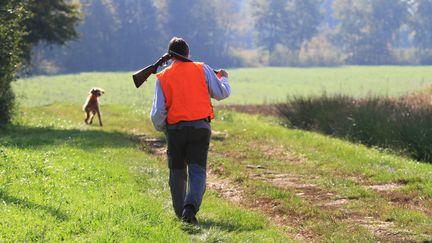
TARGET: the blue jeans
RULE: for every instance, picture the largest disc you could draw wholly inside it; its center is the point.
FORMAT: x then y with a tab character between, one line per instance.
195	187
187	159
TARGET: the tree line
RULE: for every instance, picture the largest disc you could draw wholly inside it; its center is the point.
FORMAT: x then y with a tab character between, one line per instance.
127	34
124	35
358	32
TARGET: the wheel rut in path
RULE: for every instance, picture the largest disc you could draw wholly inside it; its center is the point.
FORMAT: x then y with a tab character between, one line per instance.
322	199
331	202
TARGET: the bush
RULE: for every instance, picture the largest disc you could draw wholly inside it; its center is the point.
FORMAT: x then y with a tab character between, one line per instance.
11	33
248	57
319	52
375	121
405	56
281	56
7	99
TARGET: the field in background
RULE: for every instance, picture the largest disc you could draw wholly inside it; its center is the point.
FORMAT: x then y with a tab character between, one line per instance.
250	85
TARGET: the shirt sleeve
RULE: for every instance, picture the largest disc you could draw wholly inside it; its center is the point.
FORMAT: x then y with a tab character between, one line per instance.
159	112
219	89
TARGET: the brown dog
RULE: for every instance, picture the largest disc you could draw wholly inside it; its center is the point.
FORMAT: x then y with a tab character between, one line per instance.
91	106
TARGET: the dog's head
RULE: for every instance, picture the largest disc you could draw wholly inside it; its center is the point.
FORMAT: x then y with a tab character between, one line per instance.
97	92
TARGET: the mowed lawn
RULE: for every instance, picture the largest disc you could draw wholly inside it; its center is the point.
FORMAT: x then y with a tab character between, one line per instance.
250	85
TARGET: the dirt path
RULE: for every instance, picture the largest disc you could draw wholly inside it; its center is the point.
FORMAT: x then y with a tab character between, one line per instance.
230	190
268	110
236	194
330	202
326	201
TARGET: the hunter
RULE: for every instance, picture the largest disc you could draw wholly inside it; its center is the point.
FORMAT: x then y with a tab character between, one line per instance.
182	109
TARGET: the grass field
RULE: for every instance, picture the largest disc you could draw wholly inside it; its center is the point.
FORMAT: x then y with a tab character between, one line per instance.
252	85
63	180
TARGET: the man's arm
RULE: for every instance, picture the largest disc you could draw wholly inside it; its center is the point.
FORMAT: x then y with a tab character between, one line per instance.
219	89
159	113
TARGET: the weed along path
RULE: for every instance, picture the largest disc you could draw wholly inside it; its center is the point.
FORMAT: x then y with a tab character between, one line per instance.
317	188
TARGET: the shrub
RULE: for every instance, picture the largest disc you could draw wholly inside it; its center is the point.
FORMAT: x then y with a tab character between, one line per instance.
319	52
11	33
282	56
375	121
7	100
405	56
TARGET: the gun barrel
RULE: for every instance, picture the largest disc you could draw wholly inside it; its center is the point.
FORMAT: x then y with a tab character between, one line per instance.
142	75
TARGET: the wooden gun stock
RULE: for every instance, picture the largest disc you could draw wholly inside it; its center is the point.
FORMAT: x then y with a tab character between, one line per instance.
142	75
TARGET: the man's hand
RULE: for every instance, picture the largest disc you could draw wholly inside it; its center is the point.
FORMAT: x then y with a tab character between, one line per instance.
222	73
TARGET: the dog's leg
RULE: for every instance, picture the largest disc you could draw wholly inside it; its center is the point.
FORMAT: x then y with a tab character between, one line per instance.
99	117
87	117
91	117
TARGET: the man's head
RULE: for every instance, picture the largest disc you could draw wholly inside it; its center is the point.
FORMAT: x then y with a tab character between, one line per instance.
179	46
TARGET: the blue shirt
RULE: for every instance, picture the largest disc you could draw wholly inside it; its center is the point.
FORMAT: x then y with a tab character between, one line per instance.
219	89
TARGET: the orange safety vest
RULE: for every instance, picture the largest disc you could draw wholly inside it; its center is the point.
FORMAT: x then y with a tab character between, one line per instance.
186	92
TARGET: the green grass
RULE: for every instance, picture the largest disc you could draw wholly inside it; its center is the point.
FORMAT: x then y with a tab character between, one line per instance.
62	180
336	166
331	155
250	85
75	185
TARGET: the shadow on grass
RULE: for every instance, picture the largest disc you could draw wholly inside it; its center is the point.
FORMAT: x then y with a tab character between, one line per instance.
31	137
55	212
207	224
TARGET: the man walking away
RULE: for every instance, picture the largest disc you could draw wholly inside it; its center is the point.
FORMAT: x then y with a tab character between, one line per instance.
182	109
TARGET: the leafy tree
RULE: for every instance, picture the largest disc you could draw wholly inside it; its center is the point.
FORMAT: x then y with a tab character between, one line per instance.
422	26
115	35
286	22
138	37
127	34
24	24
367	28
51	21
94	49
197	22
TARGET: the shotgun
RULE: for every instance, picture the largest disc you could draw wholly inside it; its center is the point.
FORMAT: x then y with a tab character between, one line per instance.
142	75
